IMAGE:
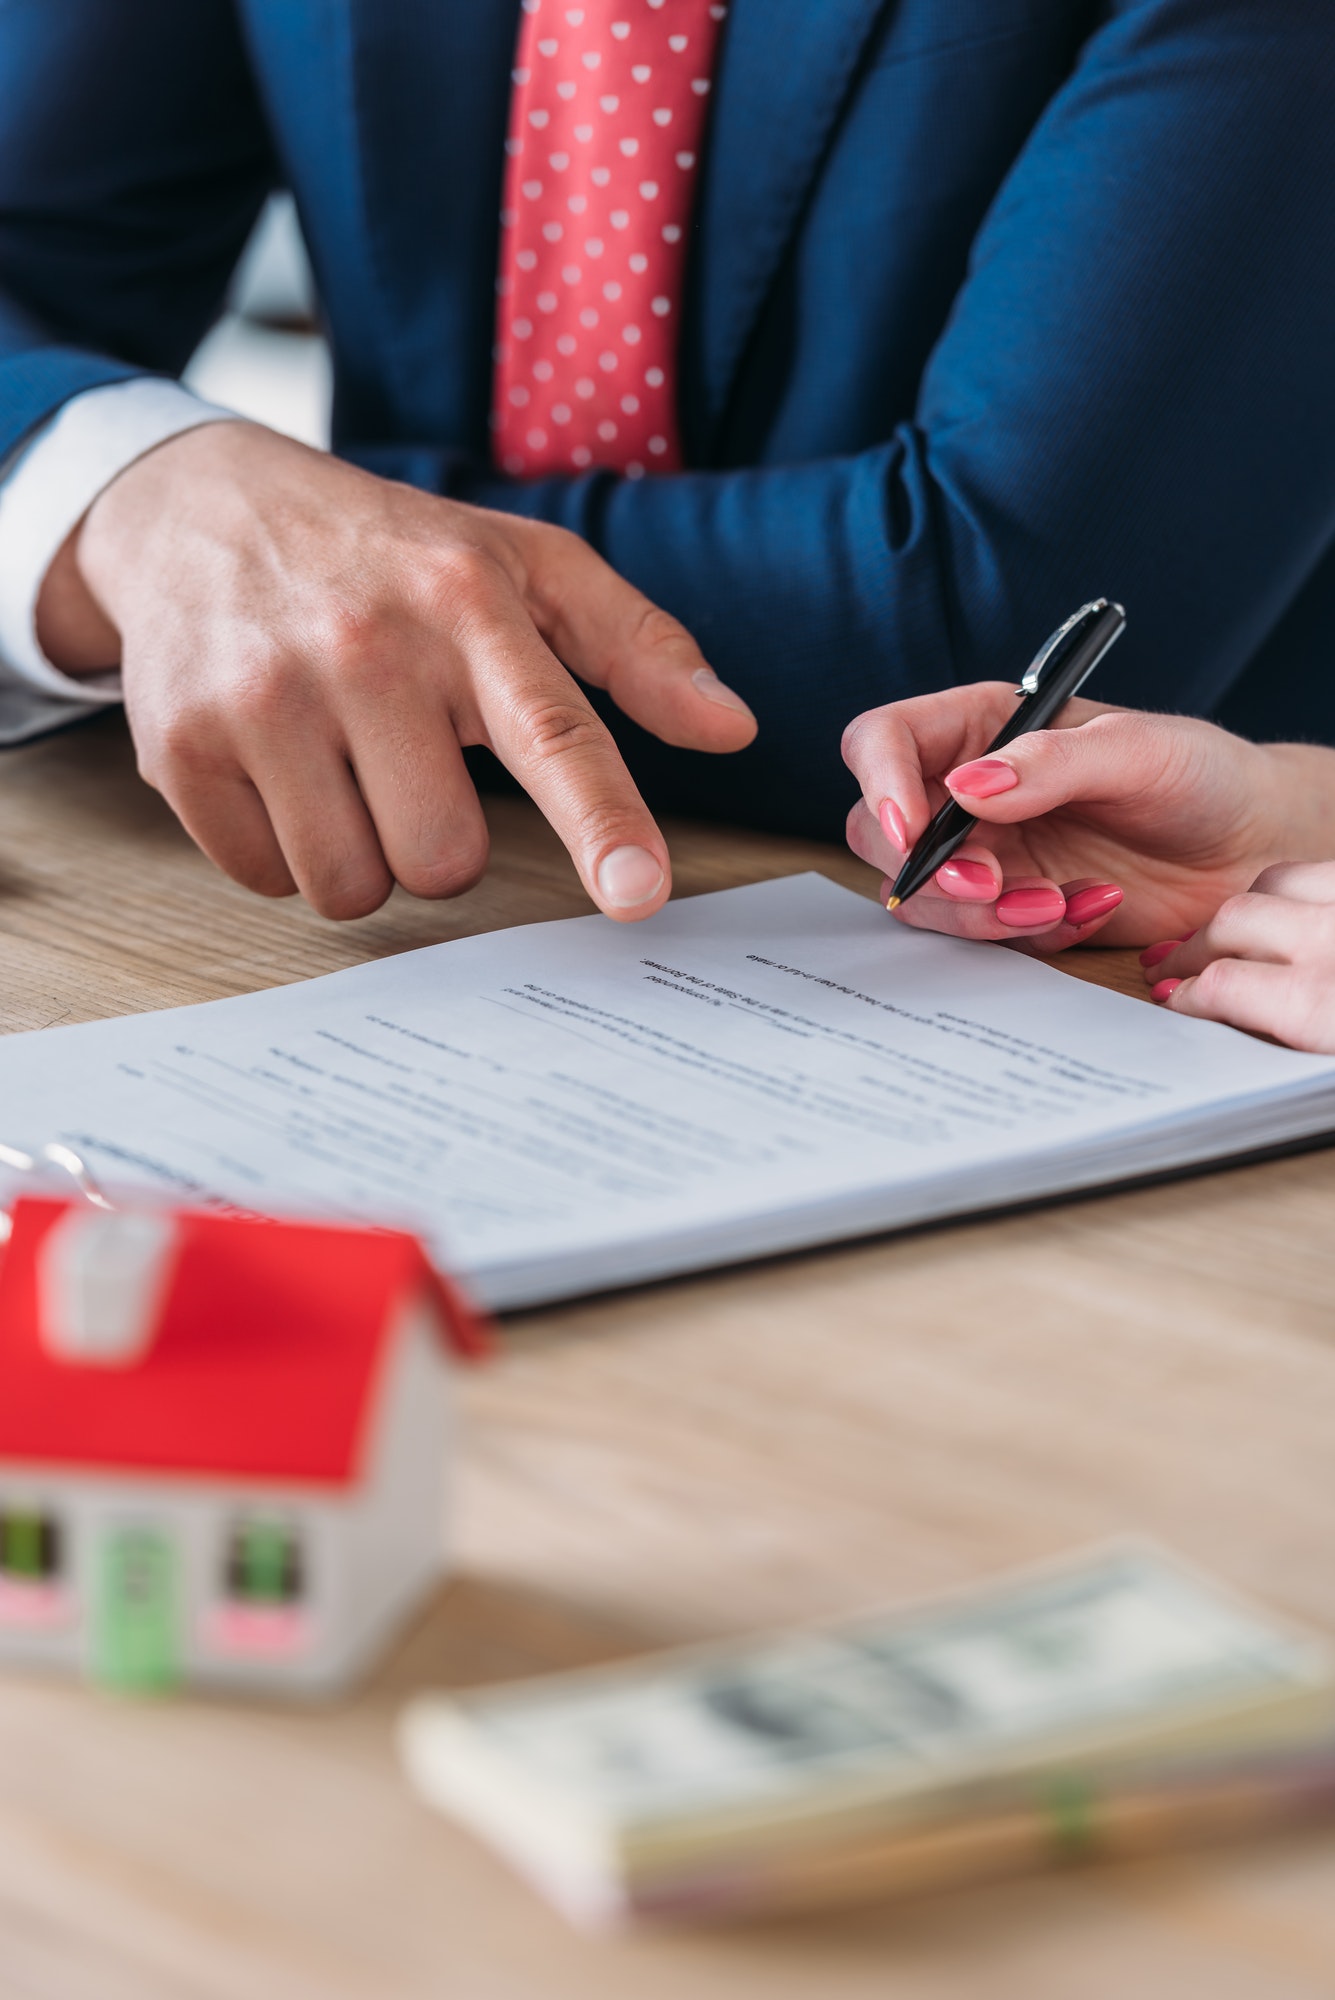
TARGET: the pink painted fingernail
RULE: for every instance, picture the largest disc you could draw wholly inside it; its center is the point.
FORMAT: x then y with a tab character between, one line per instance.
983	779
1165	989
972	881
1087	904
629	876
892	825
1159	951
1024	908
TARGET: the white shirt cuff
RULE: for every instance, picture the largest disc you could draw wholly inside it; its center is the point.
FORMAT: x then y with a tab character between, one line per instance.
45	492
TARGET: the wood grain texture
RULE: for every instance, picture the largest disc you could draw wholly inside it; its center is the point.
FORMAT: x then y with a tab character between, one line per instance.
798	1438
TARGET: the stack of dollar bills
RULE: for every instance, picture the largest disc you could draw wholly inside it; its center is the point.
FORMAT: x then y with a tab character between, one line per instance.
1111	1702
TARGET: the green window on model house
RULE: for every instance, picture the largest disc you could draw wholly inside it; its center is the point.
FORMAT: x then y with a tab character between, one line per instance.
264	1564
30	1545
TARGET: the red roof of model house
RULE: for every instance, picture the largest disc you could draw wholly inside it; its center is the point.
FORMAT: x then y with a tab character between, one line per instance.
264	1364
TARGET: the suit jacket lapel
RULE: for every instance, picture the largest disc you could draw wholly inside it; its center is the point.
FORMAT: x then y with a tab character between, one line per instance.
785	72
428	90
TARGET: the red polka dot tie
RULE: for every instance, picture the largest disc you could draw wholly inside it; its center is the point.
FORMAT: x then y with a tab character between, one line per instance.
606	121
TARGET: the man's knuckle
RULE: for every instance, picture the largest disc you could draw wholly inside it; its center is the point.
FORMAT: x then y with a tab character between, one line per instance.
446	875
342	631
152	759
356	650
656	629
466	578
344	898
259	692
648	638
183	744
365	657
259	702
370	678
467	566
264	874
562	728
556	543
271	881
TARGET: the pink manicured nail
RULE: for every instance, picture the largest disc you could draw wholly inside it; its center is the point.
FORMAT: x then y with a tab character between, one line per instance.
1165	989
1087	904
982	779
892	825
1023	908
1159	951
629	876
971	881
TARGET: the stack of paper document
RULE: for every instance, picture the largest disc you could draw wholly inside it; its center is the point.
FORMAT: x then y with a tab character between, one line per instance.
1114	1701
584	1104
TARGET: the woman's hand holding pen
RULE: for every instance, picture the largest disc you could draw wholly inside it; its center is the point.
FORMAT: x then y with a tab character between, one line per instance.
1128	826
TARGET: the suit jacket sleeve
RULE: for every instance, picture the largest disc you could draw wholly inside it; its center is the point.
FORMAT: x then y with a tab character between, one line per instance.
1134	396
133	162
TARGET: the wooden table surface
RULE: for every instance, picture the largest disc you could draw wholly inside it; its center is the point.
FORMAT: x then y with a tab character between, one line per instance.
794	1439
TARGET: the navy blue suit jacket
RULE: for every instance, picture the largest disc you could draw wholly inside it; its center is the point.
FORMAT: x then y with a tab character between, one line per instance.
993	305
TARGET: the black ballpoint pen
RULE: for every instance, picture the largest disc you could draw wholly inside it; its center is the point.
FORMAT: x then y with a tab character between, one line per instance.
1060	669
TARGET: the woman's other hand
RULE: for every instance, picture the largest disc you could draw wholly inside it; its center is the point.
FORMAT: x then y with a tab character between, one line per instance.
1264	961
1114	823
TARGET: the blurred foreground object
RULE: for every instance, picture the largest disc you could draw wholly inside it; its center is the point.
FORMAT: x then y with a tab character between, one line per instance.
1111	1702
223	1444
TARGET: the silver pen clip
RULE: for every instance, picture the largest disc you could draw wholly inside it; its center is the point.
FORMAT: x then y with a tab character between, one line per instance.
1034	673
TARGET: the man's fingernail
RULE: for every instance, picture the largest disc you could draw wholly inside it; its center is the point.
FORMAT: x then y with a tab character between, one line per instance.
982	779
972	881
1087	904
713	689
1024	908
1165	989
627	876
1159	951
892	825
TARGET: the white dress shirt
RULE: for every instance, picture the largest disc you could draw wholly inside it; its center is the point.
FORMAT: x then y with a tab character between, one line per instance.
45	490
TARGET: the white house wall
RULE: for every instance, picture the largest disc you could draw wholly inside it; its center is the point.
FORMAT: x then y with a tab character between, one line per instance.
199	1518
397	1539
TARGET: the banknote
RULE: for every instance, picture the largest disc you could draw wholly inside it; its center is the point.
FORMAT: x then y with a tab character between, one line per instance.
1123	1657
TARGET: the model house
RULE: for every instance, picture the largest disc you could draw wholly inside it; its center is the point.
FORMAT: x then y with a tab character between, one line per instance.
224	1444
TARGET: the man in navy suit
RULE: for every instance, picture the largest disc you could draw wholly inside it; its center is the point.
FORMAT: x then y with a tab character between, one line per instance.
987	307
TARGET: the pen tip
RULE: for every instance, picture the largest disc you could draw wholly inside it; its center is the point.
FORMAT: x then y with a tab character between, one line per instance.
894	902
